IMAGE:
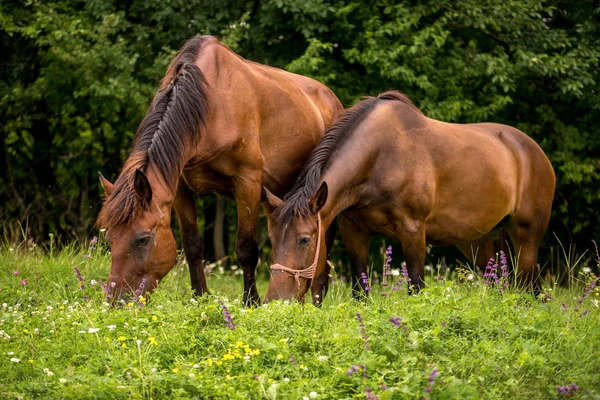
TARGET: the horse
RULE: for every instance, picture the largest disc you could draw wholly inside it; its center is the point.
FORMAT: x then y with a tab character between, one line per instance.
218	124
386	168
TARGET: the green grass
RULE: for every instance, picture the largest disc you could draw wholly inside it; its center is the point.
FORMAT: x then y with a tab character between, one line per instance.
483	343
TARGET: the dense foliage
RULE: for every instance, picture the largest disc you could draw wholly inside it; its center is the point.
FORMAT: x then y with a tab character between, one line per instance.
77	77
458	339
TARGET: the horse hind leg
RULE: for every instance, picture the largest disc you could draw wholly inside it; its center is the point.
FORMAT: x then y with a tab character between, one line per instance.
526	235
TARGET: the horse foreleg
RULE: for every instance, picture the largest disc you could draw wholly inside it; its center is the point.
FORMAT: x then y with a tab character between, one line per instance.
190	236
525	246
412	237
357	242
247	192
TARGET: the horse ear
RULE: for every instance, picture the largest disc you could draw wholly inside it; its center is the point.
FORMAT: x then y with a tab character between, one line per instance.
142	186
272	200
319	199
108	187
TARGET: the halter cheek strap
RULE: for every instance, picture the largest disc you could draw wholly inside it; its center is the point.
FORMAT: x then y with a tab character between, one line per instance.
307	273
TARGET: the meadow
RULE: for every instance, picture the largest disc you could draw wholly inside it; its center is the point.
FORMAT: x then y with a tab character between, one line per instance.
462	337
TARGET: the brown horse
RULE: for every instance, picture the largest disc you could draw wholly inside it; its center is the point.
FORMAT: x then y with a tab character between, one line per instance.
218	124
386	168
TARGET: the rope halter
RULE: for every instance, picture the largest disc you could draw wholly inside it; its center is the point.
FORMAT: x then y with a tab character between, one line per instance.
308	273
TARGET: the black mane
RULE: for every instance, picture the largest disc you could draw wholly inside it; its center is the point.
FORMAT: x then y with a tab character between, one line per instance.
171	127
296	201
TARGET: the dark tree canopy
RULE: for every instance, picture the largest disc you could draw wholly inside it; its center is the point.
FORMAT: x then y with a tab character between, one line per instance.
78	76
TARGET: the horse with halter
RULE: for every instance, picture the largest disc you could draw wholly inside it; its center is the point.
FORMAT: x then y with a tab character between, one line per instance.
218	124
386	168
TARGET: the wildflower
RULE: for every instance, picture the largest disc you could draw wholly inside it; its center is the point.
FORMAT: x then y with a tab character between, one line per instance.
583	314
15	360
30	361
387	270
227	316
404	272
566	389
153	341
363	332
62	380
564	307
313	395
48	372
113	284
16	273
111	327
365	281
431	380
121	338
93	282
79	278
23	282
93	330
154	318
352	370
322	358
94	240
292	359
279	356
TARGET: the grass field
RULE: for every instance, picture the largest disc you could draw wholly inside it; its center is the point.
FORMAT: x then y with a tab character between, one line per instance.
457	339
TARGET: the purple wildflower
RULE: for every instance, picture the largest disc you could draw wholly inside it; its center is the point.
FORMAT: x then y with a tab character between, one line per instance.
94	240
363	332
441	278
227	316
16	273
106	290
370	395
293	360
488	272
431	380
79	278
365	281
86	297
583	314
566	389
352	370
383	387
24	282
404	272
387	270
397	322
564	307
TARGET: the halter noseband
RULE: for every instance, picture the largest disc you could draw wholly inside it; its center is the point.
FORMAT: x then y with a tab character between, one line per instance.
309	272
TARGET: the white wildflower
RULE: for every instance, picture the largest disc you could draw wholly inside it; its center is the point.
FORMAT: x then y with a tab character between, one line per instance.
15	360
93	330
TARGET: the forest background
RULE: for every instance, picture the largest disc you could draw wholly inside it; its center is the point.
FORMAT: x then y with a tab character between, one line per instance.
76	78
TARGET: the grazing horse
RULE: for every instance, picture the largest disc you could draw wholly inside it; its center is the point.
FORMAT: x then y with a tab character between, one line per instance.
218	124
385	168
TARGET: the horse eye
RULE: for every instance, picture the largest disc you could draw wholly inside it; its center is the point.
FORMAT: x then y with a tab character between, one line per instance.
304	241
143	242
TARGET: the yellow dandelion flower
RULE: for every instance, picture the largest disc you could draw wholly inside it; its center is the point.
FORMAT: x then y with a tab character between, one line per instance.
279	356
176	370
153	341
124	346
130	304
239	344
25	331
210	362
219	363
283	340
122	338
256	352
247	350
107	339
61	307
228	357
154	318
30	362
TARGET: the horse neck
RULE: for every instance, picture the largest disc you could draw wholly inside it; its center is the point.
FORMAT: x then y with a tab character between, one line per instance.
344	176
